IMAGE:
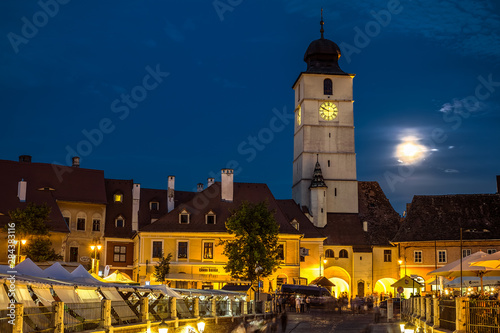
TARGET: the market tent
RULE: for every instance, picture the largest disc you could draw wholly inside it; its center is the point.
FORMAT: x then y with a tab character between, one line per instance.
119	277
322	281
4	298
81	275
43	294
28	267
88	294
118	304
22	295
167	291
407	282
56	271
67	294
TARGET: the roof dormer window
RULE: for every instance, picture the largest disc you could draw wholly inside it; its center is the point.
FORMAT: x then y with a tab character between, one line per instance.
210	218
295	224
120	222
118	197
154	205
184	217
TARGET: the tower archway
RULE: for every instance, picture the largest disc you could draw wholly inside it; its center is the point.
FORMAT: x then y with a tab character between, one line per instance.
383	287
340	278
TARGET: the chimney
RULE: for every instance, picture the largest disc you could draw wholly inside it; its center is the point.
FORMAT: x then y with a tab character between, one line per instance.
365	226
25	158
199	187
170	193
498	184
21	190
76	161
227	185
136	197
210	182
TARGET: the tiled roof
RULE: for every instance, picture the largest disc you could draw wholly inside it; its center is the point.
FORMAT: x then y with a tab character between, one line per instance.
116	209
440	217
374	208
210	200
47	183
292	211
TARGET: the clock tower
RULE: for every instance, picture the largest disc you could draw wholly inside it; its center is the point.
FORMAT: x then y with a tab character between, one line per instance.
324	134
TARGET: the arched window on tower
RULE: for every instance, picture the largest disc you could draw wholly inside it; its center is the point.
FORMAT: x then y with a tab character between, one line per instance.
343	254
329	253
327	87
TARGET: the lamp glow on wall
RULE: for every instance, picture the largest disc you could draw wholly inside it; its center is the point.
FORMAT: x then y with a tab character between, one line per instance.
201	326
95	262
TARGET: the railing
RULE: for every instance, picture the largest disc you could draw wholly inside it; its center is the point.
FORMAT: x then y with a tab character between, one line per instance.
447	314
82	316
160	309
37	319
482	316
4	321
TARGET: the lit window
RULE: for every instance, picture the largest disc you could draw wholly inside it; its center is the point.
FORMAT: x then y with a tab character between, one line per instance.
329	253
118	197
182	250
442	256
120	253
96	225
491	251
154	205
120	222
417	256
157	249
184	216
281	252
466	253
327	87
387	256
80	223
343	254
208	250
210	218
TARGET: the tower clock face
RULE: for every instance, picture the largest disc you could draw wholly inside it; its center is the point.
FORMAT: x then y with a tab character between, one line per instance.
298	114
328	111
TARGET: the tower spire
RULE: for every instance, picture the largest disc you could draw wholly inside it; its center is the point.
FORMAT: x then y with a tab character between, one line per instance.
322	23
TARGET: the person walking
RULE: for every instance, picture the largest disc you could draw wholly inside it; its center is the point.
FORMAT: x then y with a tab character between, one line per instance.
308	304
297	304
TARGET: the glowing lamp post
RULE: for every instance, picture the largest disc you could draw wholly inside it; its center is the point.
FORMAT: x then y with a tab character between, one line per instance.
19	249
95	261
201	326
324	263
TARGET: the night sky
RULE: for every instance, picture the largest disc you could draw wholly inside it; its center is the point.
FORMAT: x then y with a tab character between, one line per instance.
147	89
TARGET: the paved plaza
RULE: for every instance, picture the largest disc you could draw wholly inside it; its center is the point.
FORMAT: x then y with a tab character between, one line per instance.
321	321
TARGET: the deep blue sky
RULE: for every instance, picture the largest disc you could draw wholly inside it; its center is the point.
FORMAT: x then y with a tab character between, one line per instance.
229	68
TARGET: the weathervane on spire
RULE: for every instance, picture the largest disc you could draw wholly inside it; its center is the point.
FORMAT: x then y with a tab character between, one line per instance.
322	23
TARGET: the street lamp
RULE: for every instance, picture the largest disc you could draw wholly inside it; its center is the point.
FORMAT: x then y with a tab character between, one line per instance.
19	248
324	262
95	263
257	270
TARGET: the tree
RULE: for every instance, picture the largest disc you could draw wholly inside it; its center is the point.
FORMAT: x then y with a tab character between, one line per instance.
40	249
253	252
162	268
31	223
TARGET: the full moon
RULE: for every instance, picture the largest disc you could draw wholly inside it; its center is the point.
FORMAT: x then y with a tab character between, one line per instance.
410	151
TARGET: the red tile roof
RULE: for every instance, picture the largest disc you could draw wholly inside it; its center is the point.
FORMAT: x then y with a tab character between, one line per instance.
210	200
47	183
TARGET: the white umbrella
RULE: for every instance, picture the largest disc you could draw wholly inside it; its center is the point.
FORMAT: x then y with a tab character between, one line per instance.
473	281
454	269
490	260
